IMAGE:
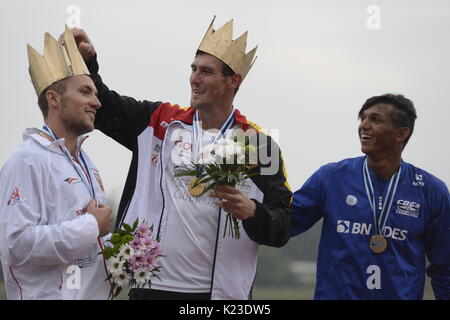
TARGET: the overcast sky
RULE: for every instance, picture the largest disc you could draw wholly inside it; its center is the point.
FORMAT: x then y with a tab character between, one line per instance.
318	61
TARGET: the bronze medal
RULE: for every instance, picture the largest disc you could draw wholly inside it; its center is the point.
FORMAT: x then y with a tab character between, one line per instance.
197	190
378	243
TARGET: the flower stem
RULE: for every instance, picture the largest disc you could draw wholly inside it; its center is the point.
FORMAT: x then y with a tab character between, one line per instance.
226	223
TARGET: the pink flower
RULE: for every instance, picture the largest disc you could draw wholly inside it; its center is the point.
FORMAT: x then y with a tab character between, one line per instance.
143	229
156	250
136	243
148	242
137	261
150	261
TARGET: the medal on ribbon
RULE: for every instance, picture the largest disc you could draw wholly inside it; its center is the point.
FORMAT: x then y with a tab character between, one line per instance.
378	242
193	187
86	178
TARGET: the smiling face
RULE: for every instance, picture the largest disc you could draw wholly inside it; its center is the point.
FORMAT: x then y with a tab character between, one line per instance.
79	104
209	87
377	132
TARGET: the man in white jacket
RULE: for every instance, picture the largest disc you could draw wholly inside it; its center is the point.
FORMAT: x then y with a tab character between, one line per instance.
52	208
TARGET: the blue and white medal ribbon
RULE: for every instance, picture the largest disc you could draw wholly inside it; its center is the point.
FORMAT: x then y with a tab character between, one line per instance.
87	179
194	188
197	145
378	243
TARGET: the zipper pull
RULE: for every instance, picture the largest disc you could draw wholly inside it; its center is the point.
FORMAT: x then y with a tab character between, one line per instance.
380	203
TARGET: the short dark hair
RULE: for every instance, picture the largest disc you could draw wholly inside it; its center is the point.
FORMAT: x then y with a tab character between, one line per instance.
58	86
226	69
405	112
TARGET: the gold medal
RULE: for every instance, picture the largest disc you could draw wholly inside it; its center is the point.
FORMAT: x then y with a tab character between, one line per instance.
378	243
197	190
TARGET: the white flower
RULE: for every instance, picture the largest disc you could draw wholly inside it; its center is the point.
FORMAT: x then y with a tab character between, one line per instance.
142	276
207	154
126	252
122	279
207	159
115	266
226	151
241	157
208	149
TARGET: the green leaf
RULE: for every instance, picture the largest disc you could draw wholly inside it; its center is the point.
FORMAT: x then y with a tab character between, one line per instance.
115	238
123	232
119	289
108	252
127	227
205	180
135	224
127	239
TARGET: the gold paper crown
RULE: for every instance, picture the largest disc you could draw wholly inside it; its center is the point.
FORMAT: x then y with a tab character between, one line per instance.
59	61
232	52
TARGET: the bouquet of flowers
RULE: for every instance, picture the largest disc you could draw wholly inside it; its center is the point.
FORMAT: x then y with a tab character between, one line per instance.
230	161
133	257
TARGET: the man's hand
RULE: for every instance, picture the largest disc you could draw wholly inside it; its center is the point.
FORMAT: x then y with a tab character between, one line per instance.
85	45
237	203
103	214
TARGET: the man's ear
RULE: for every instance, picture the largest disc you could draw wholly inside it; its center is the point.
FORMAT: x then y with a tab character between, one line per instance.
403	133
53	99
236	80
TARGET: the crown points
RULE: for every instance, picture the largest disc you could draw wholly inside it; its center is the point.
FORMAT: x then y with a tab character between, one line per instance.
220	44
56	63
241	42
54	58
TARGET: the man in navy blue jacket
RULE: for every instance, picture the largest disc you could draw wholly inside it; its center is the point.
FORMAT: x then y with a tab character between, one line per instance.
382	217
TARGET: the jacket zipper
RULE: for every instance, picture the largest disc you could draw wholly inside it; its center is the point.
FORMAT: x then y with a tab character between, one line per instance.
125	211
215	252
160	183
163	207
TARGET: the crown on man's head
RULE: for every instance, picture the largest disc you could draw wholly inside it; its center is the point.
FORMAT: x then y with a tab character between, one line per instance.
232	52
59	61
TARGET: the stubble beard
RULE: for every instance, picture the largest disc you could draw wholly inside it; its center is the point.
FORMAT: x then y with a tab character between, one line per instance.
77	127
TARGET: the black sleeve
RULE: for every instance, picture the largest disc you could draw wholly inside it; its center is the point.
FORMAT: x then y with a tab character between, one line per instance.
272	223
121	118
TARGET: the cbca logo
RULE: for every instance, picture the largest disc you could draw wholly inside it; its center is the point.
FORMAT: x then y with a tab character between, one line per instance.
408	208
343	226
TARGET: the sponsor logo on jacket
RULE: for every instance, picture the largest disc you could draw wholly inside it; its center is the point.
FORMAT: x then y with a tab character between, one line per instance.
98	178
85	262
419	181
408	208
351	200
350	227
155	154
70	180
15	198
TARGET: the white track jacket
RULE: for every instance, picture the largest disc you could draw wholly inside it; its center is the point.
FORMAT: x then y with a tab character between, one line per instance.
49	244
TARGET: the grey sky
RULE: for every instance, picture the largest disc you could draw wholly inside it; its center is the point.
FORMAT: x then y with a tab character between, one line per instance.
317	63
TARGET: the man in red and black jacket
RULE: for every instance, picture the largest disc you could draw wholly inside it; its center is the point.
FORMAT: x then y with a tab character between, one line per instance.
199	262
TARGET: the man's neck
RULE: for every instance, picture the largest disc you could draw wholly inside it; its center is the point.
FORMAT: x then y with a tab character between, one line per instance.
70	139
384	167
214	118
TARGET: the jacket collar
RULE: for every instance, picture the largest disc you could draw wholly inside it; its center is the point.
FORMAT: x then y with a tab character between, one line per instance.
47	142
188	117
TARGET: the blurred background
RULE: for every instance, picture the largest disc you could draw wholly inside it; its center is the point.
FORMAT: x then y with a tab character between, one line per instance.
318	61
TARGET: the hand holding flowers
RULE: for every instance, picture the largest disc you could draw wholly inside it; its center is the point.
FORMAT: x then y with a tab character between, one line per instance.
228	162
